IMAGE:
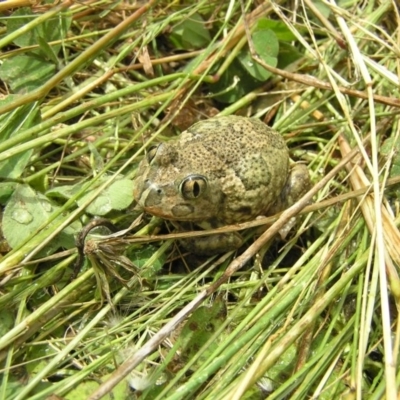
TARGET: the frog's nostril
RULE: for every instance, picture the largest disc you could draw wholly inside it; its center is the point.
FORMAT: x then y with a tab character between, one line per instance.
155	190
146	183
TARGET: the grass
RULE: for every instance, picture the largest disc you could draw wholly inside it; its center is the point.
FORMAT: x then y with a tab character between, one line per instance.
87	87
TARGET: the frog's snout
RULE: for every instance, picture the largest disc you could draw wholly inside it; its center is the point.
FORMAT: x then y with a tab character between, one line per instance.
149	194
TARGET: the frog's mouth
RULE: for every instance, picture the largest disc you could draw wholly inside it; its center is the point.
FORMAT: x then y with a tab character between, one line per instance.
180	212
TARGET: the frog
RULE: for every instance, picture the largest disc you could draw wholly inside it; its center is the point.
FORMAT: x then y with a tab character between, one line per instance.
221	171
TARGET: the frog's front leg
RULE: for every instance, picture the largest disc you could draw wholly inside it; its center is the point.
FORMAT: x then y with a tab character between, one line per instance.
209	245
297	185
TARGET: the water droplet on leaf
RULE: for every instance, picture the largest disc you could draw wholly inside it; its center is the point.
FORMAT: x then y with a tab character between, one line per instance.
22	216
46	205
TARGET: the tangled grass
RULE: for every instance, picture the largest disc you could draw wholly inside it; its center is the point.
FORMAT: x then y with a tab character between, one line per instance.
87	87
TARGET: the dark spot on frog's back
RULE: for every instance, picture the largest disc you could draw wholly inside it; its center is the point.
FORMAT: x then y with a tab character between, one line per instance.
260	174
277	141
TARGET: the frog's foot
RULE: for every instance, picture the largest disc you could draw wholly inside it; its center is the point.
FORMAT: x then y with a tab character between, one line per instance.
296	187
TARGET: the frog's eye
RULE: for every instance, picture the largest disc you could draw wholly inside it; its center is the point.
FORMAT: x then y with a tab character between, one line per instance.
193	186
151	153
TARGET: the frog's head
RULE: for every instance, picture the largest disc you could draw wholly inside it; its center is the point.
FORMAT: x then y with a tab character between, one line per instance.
171	186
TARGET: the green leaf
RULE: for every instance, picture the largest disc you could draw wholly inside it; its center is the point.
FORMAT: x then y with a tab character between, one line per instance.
26	211
96	160
118	196
37	356
6	190
39	183
6	321
190	33
281	371
390	147
244	74
234	83
199	328
63	192
322	8
84	389
47	49
53	29
140	257
24	73
288	54
10	125
267	47
281	31
14	386
18	19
